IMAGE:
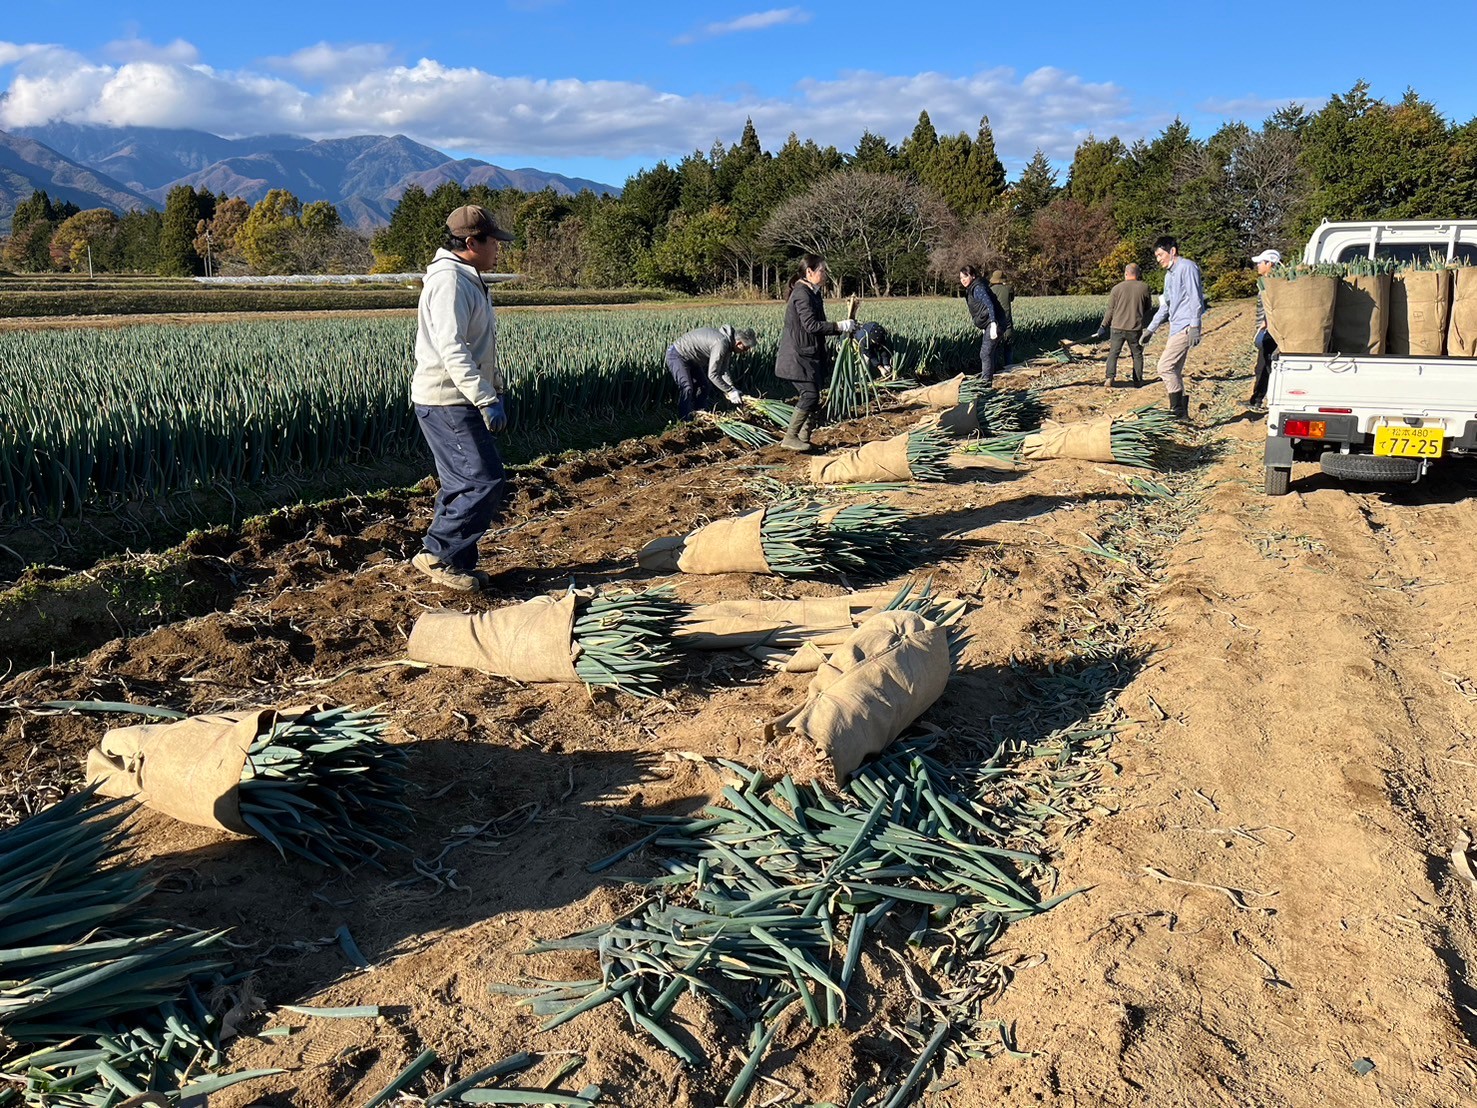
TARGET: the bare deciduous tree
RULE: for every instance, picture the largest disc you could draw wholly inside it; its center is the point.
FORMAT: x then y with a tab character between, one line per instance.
871	226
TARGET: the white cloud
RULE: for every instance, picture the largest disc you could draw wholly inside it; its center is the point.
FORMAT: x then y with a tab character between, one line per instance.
326	60
492	116
1254	109
134	49
755	21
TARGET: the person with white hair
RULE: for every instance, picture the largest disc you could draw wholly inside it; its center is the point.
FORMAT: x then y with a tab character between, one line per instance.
1266	345
701	357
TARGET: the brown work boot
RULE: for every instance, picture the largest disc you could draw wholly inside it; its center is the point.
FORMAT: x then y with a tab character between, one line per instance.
443	574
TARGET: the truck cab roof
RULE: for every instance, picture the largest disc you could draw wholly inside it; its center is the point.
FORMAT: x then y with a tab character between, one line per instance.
1402	240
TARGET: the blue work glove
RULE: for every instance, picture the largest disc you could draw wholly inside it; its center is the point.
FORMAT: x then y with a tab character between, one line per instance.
495	417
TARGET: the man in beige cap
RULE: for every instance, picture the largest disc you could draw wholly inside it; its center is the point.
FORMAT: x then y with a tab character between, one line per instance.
457	393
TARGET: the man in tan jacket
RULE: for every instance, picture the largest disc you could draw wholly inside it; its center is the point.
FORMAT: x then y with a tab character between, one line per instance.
1129	309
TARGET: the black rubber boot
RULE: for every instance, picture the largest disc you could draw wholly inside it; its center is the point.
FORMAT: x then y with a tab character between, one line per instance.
1174	403
1181	407
803	433
792	439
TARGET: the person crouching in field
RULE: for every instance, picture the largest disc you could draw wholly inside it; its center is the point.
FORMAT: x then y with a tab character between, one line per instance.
985	311
457	394
803	357
701	357
1182	304
1129	307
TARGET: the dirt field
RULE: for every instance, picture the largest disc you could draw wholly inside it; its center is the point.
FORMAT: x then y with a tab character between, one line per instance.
1271	914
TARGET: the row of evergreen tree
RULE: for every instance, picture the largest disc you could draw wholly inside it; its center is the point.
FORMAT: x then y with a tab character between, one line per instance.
733	218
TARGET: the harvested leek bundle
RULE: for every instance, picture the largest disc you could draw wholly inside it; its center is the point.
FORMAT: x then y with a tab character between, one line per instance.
928	454
625	640
325	786
1007	448
96	1003
1004	411
1147	439
776	411
853	391
866	538
745	434
792	537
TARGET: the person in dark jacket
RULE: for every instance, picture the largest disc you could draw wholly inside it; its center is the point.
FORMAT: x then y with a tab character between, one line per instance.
700	358
1130	305
1005	298
985	311
803	356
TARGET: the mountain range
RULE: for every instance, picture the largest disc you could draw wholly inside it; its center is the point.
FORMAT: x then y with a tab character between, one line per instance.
135	167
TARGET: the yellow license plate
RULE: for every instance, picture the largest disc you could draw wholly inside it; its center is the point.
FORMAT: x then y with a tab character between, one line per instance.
1409	442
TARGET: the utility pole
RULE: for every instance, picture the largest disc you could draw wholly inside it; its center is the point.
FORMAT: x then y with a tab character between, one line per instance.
89	261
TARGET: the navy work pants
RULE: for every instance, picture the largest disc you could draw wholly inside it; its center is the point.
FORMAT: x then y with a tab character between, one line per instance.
987	358
473	482
692	383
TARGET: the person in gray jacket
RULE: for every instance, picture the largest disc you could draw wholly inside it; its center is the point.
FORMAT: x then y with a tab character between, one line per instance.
701	357
457	394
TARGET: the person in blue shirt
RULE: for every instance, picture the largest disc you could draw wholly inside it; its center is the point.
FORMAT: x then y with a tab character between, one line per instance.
1183	305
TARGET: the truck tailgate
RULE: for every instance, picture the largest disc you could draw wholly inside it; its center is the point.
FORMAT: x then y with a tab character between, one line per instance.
1377	389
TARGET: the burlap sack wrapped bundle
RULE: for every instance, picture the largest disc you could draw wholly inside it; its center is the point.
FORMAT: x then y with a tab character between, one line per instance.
1420	305
943	395
723	546
1300	312
532	641
1359	314
1091	441
189	769
885	460
961	421
887	673
792	635
1461	333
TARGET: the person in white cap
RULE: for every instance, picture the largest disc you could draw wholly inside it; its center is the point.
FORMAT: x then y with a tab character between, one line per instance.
457	394
1266	345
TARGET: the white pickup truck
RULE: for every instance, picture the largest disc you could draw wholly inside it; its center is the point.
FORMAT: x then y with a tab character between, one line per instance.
1369	418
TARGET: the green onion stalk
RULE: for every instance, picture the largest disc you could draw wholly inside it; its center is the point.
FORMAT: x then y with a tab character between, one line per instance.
793	539
766	902
1007	448
928	454
745	434
1005	411
853	391
326	787
1146	439
97	1002
776	411
869	539
625	640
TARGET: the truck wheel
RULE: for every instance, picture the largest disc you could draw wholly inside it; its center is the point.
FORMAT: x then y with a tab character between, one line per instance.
1279	480
1367	467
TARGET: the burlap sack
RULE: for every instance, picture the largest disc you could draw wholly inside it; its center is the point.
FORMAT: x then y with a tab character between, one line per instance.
886	460
723	546
736	624
1420	303
533	641
1359	314
189	769
887	674
1300	312
961	421
1091	441
943	395
1461	333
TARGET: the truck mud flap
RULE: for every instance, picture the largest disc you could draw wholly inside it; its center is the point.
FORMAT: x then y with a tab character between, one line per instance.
1367	467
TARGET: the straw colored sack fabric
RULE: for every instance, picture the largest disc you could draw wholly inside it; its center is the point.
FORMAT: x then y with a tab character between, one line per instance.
961	420
1420	304
723	546
1300	312
886	460
943	395
737	624
189	769
1461	333
1091	441
1359	314
533	641
887	674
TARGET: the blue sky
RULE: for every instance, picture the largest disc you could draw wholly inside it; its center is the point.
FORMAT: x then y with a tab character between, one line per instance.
600	90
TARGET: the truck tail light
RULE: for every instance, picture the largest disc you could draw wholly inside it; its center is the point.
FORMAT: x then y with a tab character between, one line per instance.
1305	428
